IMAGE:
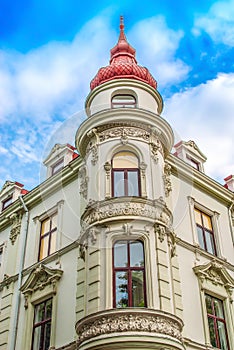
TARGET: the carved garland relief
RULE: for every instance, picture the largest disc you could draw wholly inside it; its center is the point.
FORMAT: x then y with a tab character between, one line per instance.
115	323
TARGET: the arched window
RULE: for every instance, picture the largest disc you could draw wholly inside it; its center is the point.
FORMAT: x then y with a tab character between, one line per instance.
125	174
129	274
120	101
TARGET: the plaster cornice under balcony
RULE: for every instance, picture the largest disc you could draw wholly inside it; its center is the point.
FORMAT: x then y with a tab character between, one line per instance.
118	323
130	208
129	116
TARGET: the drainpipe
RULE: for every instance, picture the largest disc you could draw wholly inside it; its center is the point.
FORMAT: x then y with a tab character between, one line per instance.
21	266
230	220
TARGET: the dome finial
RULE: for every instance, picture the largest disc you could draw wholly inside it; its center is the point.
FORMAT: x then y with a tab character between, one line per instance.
121	26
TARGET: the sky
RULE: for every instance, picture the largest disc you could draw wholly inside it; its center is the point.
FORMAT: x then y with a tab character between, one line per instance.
51	50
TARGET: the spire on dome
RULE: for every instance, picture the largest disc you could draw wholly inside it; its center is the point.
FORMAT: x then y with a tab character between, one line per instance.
122	47
123	64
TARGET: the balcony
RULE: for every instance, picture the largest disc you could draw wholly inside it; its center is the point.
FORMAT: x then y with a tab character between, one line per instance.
130	328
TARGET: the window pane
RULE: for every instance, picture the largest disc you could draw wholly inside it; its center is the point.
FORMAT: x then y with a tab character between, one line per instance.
222	335
45	226
133	185
212	332
207	221
119	101
136	254
120	254
52	243
119	184
209	242
123	160
200	237
39	313
47	336
48	309
44	247
137	289
198	217
218	307
54	221
209	304
37	339
121	279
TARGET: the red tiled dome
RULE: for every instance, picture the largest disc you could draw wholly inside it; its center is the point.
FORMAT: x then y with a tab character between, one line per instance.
123	64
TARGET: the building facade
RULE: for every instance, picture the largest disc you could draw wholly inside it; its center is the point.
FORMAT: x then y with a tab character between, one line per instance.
127	244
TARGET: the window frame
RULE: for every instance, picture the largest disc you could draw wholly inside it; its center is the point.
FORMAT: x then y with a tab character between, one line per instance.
193	163
131	104
49	233
128	269
5	201
42	324
217	319
125	171
205	229
59	164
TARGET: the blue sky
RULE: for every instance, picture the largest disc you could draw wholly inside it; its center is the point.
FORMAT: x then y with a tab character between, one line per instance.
50	50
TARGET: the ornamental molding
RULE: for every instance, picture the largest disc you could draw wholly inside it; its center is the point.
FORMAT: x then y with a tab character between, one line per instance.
39	278
98	212
129	320
7	280
124	133
83	181
16	219
162	232
216	274
167	179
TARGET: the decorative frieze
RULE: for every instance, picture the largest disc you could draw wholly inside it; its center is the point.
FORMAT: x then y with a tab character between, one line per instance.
16	219
124	132
129	320
156	210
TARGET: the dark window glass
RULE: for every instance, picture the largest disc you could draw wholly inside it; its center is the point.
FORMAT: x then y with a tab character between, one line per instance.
125	175
57	167
205	232
121	101
129	274
216	322
48	236
42	326
7	202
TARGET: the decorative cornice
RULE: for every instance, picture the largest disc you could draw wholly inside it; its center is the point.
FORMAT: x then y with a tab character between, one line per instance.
199	180
129	320
216	274
39	278
99	212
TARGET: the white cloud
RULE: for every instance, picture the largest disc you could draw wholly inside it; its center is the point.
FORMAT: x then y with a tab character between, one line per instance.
205	114
156	48
218	22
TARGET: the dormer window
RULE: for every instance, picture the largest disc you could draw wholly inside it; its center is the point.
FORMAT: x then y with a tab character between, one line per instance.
7	202
121	101
57	167
193	163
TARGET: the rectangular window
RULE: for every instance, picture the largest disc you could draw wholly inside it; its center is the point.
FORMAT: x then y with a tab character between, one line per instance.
193	163
42	326
57	167
7	202
129	274
216	322
48	236
205	231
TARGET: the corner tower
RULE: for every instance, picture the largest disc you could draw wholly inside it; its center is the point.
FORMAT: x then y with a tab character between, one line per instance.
128	287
